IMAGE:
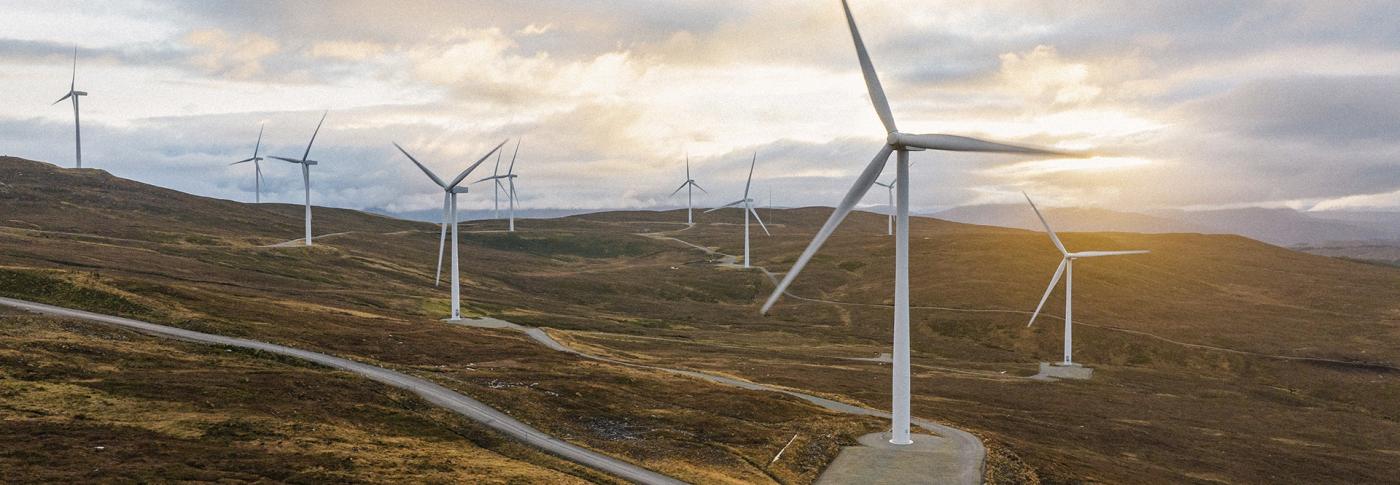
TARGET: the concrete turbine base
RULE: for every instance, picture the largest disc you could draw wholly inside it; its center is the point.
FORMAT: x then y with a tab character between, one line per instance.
1062	370
929	459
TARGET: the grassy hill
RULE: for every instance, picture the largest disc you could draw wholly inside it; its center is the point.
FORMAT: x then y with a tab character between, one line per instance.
1195	346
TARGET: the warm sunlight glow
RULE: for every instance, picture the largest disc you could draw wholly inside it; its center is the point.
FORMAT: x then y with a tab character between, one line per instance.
1057	165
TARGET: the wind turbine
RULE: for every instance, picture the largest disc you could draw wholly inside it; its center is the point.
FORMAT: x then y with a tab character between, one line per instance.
689	185
748	209
74	93
900	143
257	169
509	178
1067	269
889	225
449	213
306	173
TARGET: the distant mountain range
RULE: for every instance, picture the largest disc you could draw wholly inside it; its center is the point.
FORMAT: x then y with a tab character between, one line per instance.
1283	227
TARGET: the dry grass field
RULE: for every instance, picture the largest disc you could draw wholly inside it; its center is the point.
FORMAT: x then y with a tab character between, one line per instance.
1195	346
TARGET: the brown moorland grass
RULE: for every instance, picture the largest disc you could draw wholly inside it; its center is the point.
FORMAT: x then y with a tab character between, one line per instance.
368	296
1163	407
84	402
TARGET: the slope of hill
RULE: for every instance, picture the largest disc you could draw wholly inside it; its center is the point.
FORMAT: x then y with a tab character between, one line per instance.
37	195
367	294
1196	346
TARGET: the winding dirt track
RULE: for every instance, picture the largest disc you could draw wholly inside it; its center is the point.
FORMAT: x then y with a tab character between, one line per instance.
432	392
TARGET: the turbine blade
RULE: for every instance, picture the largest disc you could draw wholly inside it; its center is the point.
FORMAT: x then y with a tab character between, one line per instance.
678	189
687	166
872	80
415	161
313	135
1095	254
442	237
246	160
468	171
259	143
73	83
702	189
60	100
858	190
1053	238
955	143
493	177
749	182
726	206
1053	281
285	159
760	221
511	170
497	170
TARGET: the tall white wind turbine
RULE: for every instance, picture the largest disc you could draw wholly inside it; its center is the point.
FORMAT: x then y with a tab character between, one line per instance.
306	164
747	204
689	185
74	94
257	169
1067	269
900	143
508	185
449	214
889	187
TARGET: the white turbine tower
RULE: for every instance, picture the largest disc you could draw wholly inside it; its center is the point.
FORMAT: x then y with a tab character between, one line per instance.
306	173
889	187
689	185
509	186
900	143
747	203
449	214
257	169
1067	269
74	93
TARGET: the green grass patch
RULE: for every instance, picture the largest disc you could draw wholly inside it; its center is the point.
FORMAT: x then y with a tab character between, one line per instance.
47	288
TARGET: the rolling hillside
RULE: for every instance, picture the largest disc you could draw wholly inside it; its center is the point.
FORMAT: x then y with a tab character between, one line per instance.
1218	358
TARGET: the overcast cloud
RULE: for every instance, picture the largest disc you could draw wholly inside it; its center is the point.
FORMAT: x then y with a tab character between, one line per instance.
1201	104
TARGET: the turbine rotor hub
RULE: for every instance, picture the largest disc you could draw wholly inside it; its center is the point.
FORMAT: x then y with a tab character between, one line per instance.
896	140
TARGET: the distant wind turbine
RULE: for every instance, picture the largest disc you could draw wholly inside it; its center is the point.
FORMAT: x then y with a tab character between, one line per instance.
889	225
74	93
900	143
1067	269
509	178
747	204
306	164
449	214
257	169
689	185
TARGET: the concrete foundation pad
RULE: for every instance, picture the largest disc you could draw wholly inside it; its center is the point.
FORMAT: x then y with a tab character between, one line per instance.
930	459
1050	372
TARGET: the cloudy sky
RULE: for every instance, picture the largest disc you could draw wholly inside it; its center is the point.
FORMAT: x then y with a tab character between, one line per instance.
1202	104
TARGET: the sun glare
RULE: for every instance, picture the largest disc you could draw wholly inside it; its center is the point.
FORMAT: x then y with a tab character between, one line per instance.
1058	165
